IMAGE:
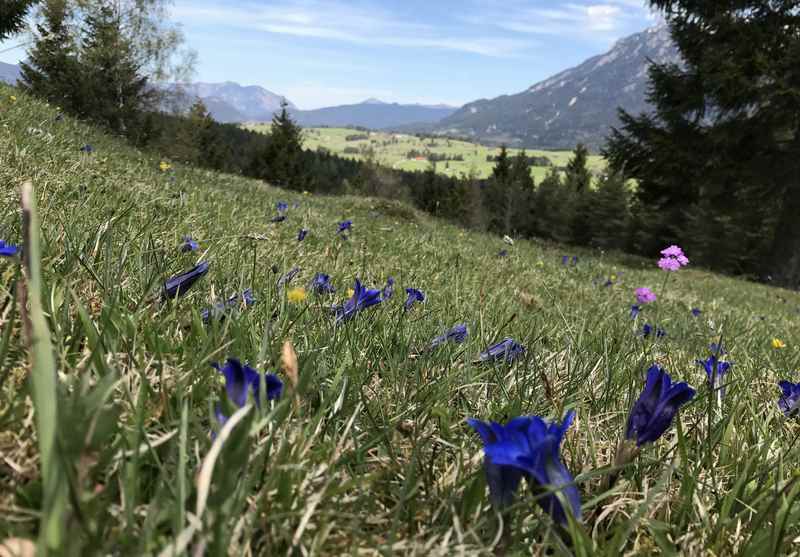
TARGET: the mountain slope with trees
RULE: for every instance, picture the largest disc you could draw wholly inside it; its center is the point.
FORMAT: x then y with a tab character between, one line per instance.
578	105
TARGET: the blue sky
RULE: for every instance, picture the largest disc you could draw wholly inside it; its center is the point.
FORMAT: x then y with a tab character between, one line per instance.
327	52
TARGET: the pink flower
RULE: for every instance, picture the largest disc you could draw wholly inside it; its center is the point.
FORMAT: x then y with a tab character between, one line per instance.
644	295
672	251
673	259
669	264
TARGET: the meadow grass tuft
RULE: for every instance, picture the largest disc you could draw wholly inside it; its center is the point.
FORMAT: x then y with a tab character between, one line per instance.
368	451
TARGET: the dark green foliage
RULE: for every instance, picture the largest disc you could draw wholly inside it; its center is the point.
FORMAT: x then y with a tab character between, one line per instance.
115	88
607	214
52	70
578	177
281	162
724	142
553	204
12	16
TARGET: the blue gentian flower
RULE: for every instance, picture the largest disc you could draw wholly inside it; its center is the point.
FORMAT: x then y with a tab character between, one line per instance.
717	349
647	330
696	312
715	370
653	412
287	278
279	218
241	379
528	447
345	225
321	284
282	206
635	311
388	290
362	299
8	250
790	397
574	259
564	259
458	334
414	295
187	244
87	148
218	310
180	284
507	349
302	234
503	253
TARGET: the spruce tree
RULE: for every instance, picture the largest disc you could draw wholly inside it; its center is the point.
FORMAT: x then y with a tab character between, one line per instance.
723	140
12	16
578	177
116	89
521	195
52	70
280	163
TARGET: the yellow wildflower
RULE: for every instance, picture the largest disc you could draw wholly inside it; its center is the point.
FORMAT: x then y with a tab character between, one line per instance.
12	98
296	295
164	166
777	344
350	292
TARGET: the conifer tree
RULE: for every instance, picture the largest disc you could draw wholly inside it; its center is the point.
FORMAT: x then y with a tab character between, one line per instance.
608	216
280	163
578	177
52	70
724	133
12	16
116	89
522	193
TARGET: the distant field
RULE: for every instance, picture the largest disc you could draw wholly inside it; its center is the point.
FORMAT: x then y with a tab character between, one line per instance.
391	150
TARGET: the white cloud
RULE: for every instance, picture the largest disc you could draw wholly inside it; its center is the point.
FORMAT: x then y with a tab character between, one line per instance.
597	21
336	21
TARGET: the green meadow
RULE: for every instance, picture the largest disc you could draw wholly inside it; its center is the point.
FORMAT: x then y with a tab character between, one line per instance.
390	149
367	451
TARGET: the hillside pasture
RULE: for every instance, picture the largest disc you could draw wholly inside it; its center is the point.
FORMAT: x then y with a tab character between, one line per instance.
391	150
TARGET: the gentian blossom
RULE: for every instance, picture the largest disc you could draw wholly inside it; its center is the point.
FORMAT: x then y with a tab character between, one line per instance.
647	330
790	397
302	234
361	299
574	259
8	250
180	284
282	206
644	295
635	311
717	349
715	370
414	295
503	253
287	278
388	290
673	259
507	349
529	447
653	412
187	244
458	334
564	259
345	225
696	312
217	311
241	379
87	148
321	284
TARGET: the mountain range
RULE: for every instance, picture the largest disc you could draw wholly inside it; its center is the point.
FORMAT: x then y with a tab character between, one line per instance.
576	105
9	73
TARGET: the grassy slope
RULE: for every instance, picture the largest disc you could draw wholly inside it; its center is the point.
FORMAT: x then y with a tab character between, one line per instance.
394	154
375	452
